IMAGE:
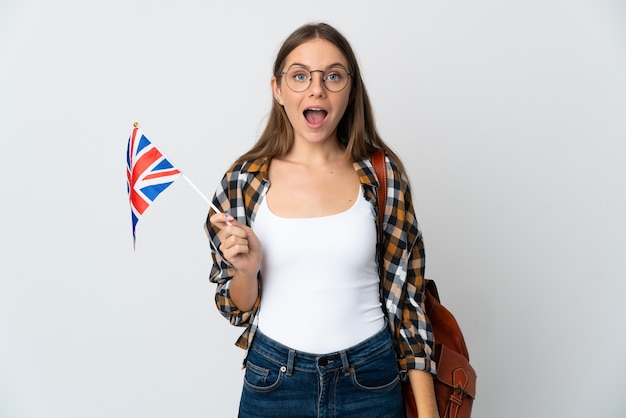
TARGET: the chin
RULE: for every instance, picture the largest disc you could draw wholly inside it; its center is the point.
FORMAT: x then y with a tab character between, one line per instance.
318	139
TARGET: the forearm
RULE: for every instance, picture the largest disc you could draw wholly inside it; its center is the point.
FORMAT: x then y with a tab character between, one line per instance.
424	392
244	290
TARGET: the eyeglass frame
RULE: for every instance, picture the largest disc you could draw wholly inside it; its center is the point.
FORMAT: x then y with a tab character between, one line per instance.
284	73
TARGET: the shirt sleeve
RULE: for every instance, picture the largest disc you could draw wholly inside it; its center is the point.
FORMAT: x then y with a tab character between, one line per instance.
405	256
222	271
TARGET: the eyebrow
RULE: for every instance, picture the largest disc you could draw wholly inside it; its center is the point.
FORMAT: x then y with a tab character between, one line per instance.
337	64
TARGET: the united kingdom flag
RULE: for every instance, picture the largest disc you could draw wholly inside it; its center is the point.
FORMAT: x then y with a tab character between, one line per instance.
148	174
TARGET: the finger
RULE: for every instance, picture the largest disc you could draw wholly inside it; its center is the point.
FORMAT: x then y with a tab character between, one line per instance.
236	250
230	232
233	241
222	219
235	253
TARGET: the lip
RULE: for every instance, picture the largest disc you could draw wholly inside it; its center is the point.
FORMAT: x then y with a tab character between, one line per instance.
320	123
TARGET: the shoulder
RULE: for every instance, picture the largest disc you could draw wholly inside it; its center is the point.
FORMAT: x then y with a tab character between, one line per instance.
365	169
241	188
390	161
396	177
248	169
259	165
250	166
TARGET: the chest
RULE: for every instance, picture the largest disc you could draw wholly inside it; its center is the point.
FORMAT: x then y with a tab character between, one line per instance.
297	192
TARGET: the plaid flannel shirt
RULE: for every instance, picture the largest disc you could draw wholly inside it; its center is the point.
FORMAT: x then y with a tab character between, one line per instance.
402	277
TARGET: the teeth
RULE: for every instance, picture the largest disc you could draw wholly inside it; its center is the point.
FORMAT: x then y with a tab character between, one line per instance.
315	109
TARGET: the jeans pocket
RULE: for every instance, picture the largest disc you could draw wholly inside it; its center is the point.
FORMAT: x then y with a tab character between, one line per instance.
378	374
262	374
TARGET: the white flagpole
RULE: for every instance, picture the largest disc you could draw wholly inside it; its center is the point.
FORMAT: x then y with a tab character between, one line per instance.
203	196
200	193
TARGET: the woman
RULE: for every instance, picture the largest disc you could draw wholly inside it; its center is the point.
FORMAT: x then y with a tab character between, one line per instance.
328	332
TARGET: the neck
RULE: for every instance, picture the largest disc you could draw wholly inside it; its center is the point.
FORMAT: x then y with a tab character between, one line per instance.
315	153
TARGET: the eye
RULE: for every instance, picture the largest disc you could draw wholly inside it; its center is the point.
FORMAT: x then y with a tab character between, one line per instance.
334	77
299	75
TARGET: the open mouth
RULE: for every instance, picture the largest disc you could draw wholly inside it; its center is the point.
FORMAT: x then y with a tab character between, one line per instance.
315	116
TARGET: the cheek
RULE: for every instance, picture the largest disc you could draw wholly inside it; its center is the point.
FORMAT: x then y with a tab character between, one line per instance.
291	110
343	104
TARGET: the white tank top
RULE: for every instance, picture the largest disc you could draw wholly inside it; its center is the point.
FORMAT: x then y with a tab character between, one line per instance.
320	286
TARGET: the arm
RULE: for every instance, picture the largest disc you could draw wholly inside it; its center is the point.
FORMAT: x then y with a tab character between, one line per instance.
241	248
403	277
236	254
414	334
424	392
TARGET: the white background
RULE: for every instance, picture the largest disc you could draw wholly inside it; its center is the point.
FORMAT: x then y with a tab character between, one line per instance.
511	117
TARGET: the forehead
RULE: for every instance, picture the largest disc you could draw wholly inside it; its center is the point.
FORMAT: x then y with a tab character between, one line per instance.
316	53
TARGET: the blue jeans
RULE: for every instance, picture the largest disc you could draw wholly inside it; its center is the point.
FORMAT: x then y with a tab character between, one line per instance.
362	381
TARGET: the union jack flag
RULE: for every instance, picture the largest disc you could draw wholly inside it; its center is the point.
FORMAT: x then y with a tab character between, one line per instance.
148	173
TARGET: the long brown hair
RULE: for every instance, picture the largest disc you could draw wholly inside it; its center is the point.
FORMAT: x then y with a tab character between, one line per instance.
356	129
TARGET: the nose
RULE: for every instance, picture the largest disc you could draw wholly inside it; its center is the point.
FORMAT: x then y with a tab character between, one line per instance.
317	83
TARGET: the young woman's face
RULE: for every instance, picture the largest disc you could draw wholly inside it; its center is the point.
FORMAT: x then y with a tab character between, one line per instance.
315	111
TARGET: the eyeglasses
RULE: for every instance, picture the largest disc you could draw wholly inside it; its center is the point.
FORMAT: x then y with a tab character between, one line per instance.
299	79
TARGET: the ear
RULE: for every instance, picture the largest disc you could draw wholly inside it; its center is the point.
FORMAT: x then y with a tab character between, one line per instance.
276	90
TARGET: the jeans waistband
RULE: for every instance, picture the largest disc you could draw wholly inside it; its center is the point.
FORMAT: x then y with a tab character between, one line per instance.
293	359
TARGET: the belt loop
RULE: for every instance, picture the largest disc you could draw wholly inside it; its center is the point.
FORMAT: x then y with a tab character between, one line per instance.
290	360
344	362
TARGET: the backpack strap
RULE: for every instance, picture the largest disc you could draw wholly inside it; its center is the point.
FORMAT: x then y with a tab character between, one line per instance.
378	161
